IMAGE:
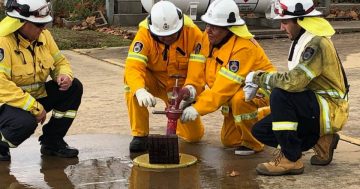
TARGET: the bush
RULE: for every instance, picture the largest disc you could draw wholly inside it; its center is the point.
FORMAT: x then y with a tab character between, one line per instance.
76	9
2	11
70	39
72	9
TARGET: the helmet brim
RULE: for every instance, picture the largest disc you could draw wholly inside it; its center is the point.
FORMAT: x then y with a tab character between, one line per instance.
312	13
46	19
214	22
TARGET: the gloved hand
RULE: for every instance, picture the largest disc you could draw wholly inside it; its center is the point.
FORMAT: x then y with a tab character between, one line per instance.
250	91
189	114
249	77
187	101
144	98
250	88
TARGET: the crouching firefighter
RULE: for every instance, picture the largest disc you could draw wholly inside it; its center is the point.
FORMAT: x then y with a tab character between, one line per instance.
309	103
164	45
28	55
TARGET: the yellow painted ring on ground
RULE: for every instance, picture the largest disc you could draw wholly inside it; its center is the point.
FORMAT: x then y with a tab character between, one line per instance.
185	161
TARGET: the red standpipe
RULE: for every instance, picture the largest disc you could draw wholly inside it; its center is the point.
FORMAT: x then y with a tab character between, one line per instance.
173	112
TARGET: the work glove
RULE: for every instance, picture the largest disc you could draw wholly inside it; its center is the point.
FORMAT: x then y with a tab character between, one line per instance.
144	98
250	88
187	101
189	114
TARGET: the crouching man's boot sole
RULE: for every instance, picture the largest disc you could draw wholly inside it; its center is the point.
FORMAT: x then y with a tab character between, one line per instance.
262	170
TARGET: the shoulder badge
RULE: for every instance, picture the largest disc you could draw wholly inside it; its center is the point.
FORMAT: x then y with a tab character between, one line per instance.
1	54
197	48
138	46
234	65
308	53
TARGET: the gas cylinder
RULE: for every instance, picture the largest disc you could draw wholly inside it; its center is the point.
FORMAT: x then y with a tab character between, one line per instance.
199	7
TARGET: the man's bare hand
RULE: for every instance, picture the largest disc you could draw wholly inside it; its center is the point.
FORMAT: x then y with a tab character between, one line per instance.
64	82
41	117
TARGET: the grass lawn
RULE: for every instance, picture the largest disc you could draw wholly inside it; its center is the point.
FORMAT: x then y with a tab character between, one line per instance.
70	39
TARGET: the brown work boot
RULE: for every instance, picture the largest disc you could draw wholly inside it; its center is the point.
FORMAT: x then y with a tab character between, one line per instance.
324	149
280	165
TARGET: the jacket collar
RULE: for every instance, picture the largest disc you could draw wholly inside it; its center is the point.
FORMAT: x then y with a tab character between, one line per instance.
25	43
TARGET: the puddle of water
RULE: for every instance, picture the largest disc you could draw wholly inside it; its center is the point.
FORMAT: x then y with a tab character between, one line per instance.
100	173
212	171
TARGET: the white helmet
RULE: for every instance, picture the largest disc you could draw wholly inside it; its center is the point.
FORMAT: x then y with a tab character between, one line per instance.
223	13
165	19
37	11
286	9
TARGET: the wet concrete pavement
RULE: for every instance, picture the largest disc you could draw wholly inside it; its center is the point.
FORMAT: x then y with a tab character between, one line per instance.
101	132
104	162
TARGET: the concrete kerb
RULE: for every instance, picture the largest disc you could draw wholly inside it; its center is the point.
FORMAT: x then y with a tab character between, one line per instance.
349	139
111	55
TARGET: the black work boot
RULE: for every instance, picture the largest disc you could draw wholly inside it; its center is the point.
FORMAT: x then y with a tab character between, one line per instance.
4	154
138	144
60	149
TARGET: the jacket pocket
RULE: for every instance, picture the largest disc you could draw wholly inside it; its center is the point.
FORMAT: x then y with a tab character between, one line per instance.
183	63
46	66
22	74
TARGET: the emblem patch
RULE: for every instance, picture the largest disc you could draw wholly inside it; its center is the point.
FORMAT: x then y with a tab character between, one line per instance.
197	48
1	54
234	65
138	47
308	53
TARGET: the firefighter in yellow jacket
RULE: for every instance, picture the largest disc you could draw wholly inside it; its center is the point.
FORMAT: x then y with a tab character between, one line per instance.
164	44
309	100
231	53
28	55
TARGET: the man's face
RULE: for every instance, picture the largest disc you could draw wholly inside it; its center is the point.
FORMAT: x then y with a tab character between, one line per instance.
32	30
291	28
170	39
216	34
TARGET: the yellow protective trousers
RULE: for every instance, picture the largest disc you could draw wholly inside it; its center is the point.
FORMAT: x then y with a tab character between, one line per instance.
139	116
239	118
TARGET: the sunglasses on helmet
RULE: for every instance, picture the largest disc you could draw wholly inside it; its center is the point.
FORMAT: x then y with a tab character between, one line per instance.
24	9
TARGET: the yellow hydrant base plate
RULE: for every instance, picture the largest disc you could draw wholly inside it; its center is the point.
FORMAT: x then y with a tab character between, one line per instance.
185	161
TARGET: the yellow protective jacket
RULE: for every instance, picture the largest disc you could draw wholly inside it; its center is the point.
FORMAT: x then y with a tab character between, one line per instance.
318	70
24	68
224	70
147	53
